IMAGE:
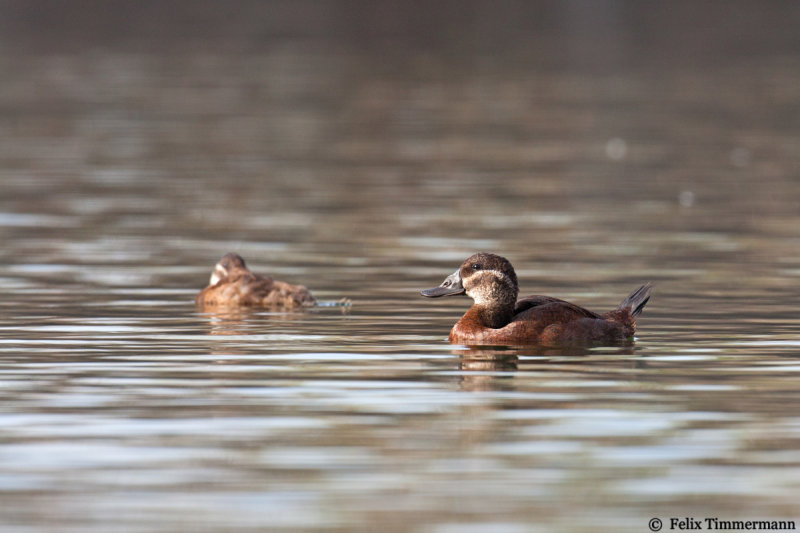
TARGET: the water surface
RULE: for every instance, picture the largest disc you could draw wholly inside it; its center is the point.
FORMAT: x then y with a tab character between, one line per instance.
130	166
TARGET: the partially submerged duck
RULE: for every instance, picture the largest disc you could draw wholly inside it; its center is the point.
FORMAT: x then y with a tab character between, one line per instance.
233	285
496	317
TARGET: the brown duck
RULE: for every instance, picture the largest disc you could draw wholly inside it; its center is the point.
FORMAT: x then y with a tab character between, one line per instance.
496	317
233	285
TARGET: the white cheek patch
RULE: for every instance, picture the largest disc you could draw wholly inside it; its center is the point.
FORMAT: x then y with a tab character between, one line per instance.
218	274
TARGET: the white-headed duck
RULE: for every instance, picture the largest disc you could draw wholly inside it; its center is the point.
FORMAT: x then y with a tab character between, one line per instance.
496	317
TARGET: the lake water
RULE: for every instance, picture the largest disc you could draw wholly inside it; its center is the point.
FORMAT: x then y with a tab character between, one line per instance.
602	149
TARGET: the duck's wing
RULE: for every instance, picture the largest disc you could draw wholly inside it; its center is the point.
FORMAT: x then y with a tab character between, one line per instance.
252	289
554	304
238	288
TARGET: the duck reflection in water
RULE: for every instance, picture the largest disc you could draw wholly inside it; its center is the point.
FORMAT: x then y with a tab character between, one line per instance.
493	368
498	318
246	320
487	368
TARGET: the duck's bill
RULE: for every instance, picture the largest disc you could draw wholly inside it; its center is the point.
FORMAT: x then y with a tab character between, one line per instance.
451	286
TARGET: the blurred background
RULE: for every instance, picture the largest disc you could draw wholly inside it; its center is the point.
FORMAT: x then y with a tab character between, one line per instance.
542	130
364	149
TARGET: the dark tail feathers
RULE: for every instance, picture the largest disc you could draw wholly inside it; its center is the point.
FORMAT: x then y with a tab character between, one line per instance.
636	301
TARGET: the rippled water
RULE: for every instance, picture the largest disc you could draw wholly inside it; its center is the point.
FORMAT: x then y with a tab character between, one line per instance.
370	173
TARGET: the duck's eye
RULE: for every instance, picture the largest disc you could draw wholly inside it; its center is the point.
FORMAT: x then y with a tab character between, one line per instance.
476	266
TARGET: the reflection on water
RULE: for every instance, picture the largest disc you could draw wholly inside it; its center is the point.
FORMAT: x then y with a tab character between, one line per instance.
594	155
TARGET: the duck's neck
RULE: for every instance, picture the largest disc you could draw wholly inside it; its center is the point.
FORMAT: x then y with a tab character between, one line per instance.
493	316
493	302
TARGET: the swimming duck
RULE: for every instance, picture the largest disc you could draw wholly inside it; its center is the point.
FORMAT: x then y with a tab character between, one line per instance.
233	285
496	317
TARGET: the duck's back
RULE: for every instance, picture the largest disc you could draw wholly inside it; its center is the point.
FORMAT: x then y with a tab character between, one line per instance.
551	321
547	306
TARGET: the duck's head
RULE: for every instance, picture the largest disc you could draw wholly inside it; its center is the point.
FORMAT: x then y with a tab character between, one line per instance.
487	278
225	266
